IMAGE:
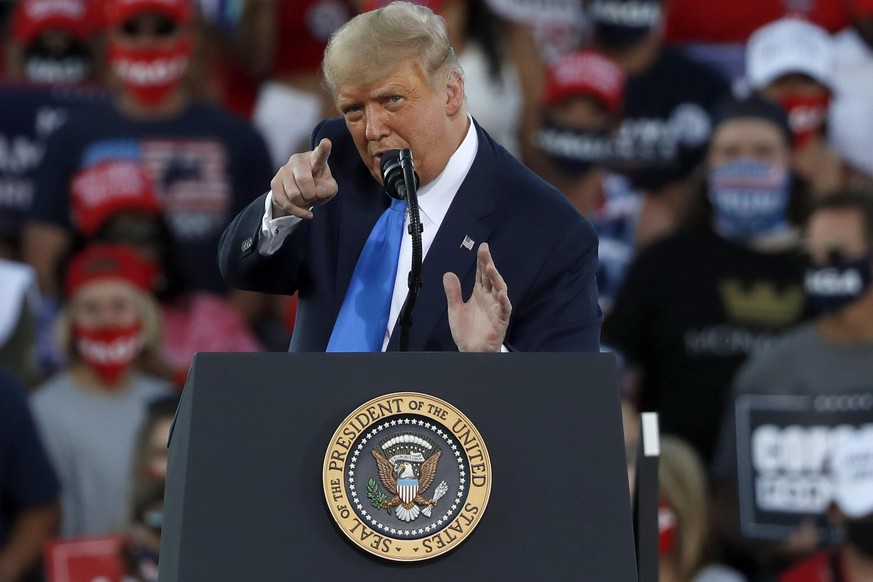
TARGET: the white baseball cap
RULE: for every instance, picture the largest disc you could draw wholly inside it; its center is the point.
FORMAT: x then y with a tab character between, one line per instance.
789	45
852	474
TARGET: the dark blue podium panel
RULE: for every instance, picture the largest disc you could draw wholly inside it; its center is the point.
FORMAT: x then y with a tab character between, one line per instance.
245	498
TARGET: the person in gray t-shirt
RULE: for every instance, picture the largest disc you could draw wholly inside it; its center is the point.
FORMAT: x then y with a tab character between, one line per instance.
833	354
89	415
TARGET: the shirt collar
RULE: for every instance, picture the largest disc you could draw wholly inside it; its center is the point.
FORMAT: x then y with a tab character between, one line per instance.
435	198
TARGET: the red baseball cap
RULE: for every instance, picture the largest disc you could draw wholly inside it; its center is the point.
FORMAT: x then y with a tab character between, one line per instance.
103	262
585	73
106	188
35	16
119	11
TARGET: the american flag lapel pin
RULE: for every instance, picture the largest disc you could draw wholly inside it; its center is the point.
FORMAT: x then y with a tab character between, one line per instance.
467	243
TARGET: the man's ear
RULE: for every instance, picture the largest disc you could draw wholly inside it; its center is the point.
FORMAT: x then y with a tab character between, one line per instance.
454	93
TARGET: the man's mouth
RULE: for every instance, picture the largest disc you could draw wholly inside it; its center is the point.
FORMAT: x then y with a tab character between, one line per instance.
378	155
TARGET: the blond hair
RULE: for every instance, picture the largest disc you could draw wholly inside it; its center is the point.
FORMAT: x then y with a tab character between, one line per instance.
683	486
149	316
372	44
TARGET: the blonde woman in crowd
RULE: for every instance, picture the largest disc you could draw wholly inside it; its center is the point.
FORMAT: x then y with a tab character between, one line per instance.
89	414
683	517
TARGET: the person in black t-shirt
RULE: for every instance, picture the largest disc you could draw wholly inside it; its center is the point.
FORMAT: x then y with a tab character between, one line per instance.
581	113
667	108
696	304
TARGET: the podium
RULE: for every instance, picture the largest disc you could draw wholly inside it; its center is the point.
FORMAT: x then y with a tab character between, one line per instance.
245	497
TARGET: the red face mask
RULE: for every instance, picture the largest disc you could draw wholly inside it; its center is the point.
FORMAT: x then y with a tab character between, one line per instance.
806	116
108	351
668	526
151	73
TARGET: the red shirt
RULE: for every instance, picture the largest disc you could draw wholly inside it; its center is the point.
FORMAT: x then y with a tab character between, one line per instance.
203	322
732	21
823	567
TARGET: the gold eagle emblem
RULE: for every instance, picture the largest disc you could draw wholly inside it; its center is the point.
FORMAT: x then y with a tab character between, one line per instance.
407	475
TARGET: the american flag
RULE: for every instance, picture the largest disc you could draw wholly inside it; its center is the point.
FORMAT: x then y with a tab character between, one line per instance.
467	243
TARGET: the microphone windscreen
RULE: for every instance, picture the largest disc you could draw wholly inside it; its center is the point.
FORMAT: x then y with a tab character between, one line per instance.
392	173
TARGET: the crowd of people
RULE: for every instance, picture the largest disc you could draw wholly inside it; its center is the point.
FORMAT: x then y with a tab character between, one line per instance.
721	151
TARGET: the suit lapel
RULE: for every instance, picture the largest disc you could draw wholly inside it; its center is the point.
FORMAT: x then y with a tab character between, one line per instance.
473	202
446	255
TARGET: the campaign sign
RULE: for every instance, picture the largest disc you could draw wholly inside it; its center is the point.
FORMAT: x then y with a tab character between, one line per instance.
784	446
86	559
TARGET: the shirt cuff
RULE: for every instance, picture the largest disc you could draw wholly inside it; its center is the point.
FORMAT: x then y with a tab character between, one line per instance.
274	230
504	349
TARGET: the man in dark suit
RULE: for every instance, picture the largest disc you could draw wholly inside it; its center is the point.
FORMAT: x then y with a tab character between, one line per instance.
397	83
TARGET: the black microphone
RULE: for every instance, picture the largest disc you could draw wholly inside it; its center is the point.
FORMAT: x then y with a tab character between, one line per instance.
401	182
392	165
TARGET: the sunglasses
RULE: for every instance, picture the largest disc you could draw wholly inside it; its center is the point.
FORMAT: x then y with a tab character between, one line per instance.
159	26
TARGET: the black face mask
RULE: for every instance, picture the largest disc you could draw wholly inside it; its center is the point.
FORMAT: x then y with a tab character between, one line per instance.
620	24
574	151
51	66
833	286
859	533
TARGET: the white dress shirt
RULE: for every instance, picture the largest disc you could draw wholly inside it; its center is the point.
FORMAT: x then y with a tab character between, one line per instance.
434	200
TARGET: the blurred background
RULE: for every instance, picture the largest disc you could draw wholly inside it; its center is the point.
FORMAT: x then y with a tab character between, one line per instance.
722	149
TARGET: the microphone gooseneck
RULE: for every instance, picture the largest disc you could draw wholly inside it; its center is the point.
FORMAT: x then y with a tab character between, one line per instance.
401	182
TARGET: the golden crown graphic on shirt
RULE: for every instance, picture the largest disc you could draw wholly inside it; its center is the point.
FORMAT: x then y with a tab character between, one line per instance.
760	303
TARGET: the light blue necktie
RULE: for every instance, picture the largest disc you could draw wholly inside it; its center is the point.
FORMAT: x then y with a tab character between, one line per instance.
363	317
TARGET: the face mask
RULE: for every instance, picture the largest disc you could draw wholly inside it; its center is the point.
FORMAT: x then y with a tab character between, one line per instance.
622	24
45	66
832	286
749	198
806	116
151	73
859	533
108	351
668	526
576	152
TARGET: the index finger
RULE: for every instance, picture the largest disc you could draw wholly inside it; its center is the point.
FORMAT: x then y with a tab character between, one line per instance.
320	154
489	268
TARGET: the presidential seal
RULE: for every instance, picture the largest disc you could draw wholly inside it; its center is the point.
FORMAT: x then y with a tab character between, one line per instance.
407	476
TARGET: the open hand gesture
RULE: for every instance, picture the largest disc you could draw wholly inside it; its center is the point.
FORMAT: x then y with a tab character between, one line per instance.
479	325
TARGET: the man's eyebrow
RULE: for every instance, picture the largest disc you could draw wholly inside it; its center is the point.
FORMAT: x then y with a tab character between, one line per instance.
391	89
345	103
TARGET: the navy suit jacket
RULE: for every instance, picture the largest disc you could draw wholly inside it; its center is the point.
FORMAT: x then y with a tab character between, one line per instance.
543	248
